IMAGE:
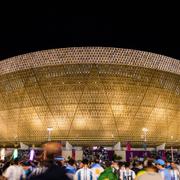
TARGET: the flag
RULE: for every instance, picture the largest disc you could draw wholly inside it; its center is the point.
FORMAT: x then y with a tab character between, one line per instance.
23	146
68	146
3	153
161	147
117	147
32	153
128	146
15	153
145	146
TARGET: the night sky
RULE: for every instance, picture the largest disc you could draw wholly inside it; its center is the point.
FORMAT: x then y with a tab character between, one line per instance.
47	29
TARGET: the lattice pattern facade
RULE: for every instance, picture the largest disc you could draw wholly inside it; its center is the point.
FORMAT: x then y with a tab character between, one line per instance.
90	96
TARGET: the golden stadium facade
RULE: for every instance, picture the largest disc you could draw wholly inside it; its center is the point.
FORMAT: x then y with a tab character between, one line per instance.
90	95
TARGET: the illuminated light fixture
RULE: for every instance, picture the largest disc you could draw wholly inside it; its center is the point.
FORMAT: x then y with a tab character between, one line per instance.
49	128
144	129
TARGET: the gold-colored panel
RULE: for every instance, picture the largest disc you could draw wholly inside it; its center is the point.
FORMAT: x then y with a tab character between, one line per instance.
90	103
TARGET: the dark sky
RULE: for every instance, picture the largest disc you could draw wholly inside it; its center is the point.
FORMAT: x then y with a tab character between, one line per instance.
34	30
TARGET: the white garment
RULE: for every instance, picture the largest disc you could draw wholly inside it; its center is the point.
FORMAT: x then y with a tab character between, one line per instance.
14	172
85	174
175	174
127	174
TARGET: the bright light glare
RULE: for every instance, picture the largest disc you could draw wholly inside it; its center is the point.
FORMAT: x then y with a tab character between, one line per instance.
144	129
49	128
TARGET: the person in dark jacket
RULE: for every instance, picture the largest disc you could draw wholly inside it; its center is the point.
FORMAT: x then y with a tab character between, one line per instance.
53	172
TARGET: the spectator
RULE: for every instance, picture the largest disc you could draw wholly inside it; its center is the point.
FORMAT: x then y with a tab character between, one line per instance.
165	173
15	171
108	173
85	172
150	172
127	173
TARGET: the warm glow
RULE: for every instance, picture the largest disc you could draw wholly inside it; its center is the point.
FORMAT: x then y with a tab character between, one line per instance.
117	109
144	129
49	128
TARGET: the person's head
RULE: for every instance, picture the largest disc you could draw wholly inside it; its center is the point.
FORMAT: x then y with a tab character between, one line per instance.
160	163
60	161
127	164
26	163
115	165
96	161
173	165
51	149
71	162
81	164
150	166
108	164
120	164
84	163
16	161
167	163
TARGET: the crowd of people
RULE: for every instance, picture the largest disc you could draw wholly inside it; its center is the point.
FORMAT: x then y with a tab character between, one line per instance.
52	167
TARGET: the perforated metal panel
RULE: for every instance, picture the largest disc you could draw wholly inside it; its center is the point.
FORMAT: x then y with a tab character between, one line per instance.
90	96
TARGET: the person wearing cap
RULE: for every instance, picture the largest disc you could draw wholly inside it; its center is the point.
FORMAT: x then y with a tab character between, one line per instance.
150	172
165	173
85	173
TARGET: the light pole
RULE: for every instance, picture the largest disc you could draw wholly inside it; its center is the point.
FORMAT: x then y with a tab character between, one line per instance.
145	130
172	154
49	133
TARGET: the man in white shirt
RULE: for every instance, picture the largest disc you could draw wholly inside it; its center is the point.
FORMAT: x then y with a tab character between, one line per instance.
85	173
175	173
15	171
127	174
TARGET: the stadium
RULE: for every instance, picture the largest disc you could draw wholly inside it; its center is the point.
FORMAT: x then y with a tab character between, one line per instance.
90	96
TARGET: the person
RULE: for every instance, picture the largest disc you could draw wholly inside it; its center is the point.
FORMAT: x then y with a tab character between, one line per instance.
127	174
108	173
137	166
165	173
175	173
71	168
27	168
15	171
120	169
150	172
167	164
54	172
85	172
38	170
97	168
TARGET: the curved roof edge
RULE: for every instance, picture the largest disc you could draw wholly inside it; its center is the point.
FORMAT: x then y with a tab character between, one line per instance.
90	55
